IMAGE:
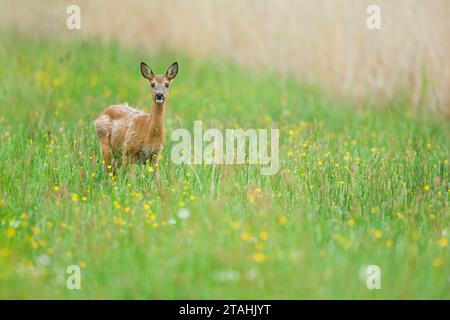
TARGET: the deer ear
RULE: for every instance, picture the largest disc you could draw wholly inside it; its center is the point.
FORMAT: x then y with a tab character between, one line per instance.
146	71
172	71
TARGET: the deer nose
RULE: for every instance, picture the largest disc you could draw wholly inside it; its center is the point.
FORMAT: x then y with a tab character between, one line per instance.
159	96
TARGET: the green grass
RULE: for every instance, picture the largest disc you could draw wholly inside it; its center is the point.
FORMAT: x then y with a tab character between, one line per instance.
378	167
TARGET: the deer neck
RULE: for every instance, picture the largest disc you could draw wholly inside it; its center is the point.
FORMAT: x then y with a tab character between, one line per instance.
157	120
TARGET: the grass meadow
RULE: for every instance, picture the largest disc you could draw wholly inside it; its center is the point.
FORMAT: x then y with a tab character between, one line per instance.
356	186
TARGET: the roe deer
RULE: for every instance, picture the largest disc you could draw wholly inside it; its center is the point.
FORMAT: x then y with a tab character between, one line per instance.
131	134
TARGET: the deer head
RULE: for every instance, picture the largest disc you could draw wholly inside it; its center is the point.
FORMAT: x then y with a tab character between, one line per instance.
159	84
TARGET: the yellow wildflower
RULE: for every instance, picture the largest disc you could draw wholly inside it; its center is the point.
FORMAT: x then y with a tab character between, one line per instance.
36	230
259	245
377	233
259	257
389	243
263	235
437	261
246	236
443	242
400	216
235	225
10	232
4	252
119	221
34	244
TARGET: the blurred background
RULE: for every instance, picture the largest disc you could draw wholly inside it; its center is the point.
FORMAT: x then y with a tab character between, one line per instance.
321	42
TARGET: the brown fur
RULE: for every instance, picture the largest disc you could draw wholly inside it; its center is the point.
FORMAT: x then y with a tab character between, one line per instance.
131	134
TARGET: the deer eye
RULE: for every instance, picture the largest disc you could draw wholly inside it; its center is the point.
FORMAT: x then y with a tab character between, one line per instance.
167	85
152	85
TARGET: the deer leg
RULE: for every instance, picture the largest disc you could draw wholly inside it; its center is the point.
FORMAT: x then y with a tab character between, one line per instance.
106	153
129	158
157	173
